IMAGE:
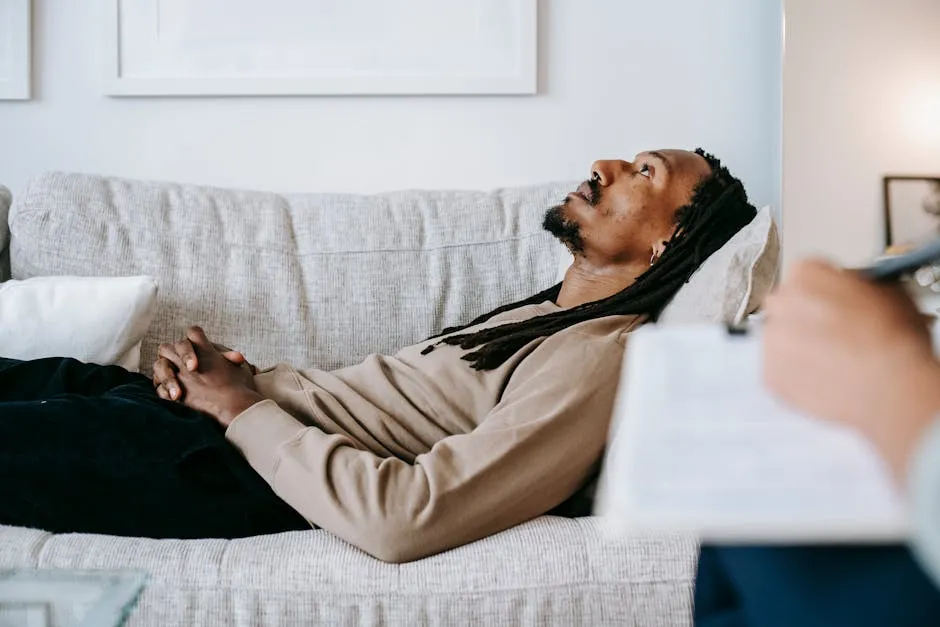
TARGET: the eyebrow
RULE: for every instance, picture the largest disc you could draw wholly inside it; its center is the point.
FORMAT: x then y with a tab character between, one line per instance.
661	157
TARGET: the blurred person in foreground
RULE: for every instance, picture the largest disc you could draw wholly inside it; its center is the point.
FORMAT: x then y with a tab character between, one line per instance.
857	353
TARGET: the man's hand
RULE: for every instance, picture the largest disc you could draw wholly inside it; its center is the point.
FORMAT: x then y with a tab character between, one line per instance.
176	357
845	349
215	385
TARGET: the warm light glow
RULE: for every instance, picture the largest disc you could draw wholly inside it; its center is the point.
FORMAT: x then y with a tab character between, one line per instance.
922	117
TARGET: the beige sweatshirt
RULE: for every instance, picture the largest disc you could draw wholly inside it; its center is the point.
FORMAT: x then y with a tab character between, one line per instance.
408	455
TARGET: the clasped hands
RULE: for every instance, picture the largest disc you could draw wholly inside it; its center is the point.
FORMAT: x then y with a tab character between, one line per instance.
207	377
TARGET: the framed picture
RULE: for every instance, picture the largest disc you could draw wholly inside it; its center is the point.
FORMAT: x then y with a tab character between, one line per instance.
319	47
912	209
14	49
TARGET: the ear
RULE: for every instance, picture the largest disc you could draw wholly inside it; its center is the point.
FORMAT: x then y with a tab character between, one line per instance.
658	249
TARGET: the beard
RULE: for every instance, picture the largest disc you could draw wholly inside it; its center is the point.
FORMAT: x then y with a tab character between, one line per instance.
567	231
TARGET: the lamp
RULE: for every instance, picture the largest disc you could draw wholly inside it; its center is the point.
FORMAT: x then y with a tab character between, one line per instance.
923	113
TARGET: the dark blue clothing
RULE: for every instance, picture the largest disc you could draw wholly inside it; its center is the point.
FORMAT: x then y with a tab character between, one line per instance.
877	586
86	448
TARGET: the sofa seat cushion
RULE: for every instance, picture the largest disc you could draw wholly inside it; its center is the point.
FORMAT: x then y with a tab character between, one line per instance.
313	577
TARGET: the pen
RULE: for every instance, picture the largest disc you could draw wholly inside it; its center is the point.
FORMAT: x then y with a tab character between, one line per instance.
895	267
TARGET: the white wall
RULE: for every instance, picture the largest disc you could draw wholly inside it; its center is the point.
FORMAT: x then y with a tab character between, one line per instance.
861	99
616	77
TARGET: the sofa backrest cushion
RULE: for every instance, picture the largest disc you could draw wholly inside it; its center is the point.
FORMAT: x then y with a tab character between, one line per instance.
315	279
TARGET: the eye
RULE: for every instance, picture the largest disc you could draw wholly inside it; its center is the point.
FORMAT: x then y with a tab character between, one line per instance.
645	171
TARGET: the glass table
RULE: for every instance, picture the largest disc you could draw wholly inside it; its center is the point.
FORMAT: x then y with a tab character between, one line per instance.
68	598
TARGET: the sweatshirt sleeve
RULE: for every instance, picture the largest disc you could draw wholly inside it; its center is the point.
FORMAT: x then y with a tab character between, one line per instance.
924	494
533	450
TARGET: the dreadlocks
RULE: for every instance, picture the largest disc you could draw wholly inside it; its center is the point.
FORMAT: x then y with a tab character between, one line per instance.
719	209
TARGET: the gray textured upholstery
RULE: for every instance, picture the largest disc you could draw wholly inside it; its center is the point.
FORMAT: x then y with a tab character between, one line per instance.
549	571
322	280
315	280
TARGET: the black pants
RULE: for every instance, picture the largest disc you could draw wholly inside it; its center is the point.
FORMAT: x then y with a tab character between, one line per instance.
854	586
86	448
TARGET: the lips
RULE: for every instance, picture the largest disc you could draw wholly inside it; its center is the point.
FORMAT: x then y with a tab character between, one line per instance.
584	192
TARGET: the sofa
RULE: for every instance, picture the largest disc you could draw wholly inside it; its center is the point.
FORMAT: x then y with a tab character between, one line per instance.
323	280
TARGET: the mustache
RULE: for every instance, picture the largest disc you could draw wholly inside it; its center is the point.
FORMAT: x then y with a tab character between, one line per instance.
595	187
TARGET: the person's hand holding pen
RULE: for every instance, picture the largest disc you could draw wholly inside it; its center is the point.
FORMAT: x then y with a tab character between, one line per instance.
843	347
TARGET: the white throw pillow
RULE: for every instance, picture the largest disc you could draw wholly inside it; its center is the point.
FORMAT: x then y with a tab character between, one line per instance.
731	283
95	320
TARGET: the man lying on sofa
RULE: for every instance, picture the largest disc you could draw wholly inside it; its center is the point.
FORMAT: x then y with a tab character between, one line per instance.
466	434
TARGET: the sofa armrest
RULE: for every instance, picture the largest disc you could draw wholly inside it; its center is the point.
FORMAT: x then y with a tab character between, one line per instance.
6	199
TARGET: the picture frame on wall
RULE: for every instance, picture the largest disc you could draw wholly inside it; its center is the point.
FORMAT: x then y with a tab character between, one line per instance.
319	47
15	49
911	210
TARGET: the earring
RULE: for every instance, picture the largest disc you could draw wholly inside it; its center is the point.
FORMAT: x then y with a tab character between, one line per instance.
654	256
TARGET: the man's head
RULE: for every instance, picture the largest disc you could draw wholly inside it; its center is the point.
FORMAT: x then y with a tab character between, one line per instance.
670	209
627	210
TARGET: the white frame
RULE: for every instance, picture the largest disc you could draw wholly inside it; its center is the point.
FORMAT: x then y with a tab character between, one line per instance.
525	82
17	86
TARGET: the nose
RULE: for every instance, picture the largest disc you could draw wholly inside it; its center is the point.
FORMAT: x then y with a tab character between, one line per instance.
606	172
